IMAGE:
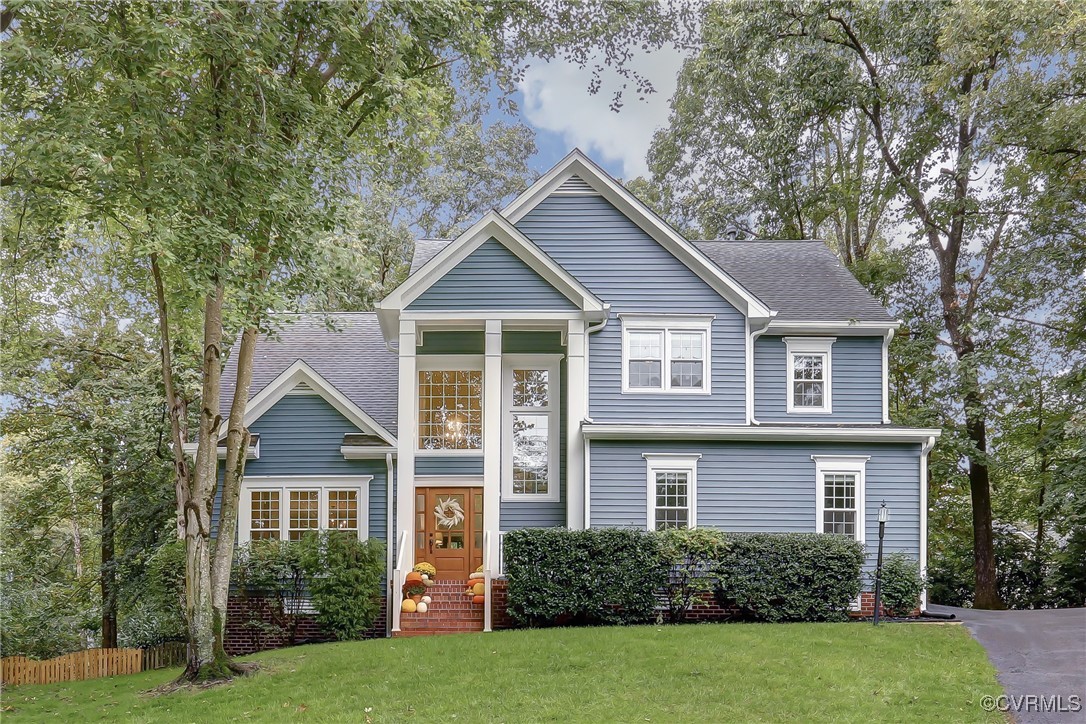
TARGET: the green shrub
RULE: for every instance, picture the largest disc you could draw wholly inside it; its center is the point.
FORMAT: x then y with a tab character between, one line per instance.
346	577
273	569
690	559
602	575
901	584
790	577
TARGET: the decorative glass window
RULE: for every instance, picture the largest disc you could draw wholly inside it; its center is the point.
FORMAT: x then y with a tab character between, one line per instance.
840	494
450	410
343	510
264	519
672	490
809	374
665	353
304	512
530	462
286	508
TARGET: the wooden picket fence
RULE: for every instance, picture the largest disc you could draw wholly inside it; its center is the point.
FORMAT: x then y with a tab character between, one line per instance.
89	664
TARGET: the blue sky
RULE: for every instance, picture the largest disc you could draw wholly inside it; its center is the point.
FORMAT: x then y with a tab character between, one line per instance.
554	100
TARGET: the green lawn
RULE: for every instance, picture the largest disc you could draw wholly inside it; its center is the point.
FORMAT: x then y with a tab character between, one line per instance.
721	672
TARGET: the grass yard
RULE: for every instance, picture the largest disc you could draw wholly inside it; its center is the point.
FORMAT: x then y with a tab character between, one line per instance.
719	672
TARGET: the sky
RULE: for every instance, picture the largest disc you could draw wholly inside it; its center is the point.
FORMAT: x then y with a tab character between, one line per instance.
554	100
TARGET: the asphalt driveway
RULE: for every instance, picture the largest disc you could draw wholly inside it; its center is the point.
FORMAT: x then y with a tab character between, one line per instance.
1038	654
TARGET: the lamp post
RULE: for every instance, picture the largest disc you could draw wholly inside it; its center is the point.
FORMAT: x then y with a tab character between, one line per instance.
884	515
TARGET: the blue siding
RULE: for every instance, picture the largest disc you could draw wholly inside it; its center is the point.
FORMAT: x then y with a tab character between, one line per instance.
448	465
761	487
492	277
624	266
855	375
301	435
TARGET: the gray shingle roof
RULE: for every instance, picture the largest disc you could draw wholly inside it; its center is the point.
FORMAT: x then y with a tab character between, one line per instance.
352	357
803	281
425	250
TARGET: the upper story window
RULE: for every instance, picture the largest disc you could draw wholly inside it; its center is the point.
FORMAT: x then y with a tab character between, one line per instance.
840	494
672	490
809	364
531	391
668	353
450	409
287	508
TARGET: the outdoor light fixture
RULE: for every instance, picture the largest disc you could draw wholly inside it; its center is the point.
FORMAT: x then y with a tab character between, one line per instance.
884	515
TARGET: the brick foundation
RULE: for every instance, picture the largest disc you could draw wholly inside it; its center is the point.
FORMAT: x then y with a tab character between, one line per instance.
250	626
867	607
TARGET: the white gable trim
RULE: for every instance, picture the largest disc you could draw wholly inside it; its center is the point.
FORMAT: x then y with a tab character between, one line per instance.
491	225
300	372
577	164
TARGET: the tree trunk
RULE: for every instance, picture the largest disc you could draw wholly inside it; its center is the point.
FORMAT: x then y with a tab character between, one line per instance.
986	588
108	574
237	447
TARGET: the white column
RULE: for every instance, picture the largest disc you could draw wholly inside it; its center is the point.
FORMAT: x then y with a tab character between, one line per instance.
407	430
576	411
492	433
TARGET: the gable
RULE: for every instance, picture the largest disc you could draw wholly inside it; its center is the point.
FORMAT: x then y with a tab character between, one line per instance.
492	277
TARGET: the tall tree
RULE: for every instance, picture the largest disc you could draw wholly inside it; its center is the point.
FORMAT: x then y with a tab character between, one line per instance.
215	135
938	88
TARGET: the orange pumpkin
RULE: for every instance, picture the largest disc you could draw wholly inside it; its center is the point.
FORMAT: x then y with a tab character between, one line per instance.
478	599
414	576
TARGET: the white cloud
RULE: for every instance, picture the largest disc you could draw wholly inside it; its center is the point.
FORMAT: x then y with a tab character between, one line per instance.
556	99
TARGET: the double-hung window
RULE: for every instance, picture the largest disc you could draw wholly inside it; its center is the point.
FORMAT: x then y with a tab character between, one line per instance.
840	494
667	353
672	490
286	508
531	392
809	385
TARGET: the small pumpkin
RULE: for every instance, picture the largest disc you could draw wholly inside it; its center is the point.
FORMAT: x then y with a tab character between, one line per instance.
477	576
428	581
413	576
478	599
427	599
479	588
421	607
408	606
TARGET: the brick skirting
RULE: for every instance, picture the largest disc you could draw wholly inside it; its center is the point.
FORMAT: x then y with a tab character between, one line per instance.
250	627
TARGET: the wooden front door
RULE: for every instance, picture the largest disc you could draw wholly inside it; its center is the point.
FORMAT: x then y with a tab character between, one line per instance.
449	530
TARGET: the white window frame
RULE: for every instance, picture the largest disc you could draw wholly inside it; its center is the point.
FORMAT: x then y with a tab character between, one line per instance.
667	324
449	363
808	346
671	463
284	484
841	464
551	363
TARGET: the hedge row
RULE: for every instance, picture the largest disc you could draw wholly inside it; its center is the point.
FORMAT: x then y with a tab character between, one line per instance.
558	576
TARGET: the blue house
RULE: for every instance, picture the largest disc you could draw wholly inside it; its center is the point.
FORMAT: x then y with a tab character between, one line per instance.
573	361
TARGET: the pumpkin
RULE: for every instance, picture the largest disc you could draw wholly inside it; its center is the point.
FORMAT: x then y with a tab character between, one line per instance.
421	607
426	576
478	599
428	581
479	589
413	576
408	606
477	576
427	599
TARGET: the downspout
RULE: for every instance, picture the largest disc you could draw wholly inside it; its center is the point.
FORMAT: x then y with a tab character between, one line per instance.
924	450
886	375
750	366
587	507
390	540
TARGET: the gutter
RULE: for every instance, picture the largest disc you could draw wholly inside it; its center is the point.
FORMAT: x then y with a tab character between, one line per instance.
632	431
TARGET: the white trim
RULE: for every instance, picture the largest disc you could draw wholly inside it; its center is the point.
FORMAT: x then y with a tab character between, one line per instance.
576	411
298	372
492	433
448	481
925	450
587	483
551	363
666	325
577	163
847	465
364	452
492	225
407	398
809	347
284	484
436	317
672	462
191	448
839	328
886	375
638	431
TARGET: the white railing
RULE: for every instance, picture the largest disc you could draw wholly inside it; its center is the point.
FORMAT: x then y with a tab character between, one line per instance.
398	576
488	597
